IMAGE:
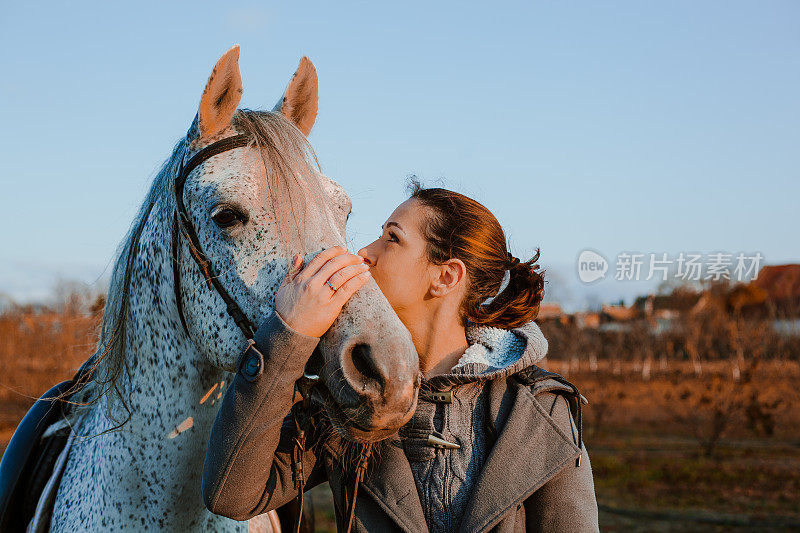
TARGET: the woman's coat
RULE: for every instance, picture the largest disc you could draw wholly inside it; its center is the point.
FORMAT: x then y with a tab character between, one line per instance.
529	482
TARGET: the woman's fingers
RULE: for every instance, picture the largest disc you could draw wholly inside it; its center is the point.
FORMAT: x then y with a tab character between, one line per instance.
291	272
341	276
346	291
296	266
304	301
293	269
334	266
318	261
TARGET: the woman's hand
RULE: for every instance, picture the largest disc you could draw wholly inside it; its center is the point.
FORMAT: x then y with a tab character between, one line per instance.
305	301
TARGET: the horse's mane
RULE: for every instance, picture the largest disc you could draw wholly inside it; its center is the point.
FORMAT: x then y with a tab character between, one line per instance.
291	171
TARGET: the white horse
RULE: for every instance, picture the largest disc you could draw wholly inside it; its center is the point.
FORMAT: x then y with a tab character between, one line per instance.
166	355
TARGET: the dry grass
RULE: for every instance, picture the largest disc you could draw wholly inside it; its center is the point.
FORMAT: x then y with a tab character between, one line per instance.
39	348
647	441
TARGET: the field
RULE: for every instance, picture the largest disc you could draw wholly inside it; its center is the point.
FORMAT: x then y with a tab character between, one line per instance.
648	442
674	446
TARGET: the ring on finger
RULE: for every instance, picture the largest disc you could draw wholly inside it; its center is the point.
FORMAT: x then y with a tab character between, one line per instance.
330	285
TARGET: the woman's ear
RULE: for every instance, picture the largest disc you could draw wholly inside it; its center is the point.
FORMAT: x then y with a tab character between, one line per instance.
448	277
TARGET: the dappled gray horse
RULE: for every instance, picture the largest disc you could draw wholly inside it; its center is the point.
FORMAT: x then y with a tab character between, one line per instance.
186	292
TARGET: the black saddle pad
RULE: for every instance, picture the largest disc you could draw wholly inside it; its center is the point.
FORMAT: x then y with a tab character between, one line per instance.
29	459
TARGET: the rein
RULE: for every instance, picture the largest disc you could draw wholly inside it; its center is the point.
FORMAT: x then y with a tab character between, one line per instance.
182	225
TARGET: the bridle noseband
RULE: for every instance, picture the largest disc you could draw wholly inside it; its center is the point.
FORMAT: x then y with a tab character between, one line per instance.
183	224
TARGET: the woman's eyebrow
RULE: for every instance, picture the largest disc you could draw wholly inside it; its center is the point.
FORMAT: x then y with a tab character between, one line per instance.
392	223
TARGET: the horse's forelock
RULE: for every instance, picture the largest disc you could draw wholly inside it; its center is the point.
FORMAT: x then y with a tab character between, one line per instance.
291	170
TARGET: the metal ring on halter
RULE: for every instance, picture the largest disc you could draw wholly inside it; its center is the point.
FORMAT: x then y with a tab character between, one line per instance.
331	286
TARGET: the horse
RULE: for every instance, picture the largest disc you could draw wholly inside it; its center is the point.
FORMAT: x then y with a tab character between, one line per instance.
240	194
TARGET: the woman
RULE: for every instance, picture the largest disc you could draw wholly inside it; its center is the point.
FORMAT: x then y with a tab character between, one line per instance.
493	443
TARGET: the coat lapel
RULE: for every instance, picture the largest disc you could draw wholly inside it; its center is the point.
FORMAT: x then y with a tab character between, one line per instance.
508	477
390	482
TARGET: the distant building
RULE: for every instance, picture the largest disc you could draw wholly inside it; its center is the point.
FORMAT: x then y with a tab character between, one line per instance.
780	285
588	320
620	313
776	291
667	305
549	311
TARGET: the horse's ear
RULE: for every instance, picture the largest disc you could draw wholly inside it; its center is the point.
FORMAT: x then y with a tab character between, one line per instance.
221	95
300	101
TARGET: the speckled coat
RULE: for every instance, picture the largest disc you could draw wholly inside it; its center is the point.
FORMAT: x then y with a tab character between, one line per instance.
529	480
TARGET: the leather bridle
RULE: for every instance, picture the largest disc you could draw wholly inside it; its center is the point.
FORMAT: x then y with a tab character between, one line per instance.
183	223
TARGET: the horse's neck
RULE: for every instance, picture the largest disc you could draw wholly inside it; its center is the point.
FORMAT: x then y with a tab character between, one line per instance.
150	470
171	390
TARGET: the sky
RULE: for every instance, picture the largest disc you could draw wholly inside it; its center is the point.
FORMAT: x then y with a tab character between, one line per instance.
615	126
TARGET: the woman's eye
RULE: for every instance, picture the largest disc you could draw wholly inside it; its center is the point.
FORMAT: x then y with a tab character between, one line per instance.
225	217
393	236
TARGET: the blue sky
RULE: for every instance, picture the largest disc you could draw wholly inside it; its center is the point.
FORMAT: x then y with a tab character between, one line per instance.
616	126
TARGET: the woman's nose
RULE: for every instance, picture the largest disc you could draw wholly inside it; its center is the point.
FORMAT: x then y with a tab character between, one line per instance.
363	253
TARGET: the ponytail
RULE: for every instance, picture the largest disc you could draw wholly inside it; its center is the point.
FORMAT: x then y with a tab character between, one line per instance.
516	304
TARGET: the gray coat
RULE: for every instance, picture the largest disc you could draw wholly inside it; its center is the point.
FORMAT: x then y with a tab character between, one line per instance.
529	481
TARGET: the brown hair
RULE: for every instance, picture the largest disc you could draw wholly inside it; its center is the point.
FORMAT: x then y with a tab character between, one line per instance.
458	227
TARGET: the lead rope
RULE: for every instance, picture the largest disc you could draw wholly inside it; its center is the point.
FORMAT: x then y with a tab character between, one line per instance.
302	422
361	469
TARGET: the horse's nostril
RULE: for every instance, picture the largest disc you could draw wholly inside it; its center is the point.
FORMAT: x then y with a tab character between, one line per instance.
361	355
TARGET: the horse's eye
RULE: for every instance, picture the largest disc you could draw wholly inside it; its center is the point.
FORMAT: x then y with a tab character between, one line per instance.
225	217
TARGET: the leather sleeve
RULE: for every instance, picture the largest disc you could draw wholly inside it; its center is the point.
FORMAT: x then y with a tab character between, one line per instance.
567	502
246	472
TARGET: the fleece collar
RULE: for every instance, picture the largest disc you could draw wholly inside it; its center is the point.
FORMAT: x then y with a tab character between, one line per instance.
494	353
